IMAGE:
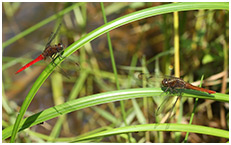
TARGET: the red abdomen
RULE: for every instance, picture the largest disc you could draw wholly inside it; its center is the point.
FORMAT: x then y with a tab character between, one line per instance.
40	57
189	86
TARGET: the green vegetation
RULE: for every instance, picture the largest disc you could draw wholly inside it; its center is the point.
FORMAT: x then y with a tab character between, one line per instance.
141	39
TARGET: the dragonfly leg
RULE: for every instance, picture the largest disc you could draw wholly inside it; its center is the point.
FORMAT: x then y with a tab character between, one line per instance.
160	106
170	113
53	57
172	90
157	112
60	55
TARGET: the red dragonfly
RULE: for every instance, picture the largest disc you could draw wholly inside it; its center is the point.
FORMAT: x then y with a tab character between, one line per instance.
50	51
174	82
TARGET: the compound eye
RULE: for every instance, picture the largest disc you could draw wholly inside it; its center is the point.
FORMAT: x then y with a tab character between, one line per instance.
164	81
60	45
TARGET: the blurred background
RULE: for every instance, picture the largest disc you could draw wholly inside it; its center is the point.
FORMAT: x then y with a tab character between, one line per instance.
142	46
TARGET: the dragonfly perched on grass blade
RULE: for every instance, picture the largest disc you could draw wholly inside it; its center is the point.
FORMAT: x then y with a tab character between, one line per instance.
171	86
50	51
172	83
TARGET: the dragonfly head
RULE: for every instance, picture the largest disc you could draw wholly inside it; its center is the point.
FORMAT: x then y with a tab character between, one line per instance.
165	82
60	46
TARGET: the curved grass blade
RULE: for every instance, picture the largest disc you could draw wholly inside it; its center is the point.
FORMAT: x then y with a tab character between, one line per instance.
145	13
92	100
160	127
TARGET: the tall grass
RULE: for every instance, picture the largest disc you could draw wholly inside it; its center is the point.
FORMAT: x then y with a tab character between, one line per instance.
90	71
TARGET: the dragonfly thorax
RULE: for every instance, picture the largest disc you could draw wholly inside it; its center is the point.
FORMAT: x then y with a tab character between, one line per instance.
52	50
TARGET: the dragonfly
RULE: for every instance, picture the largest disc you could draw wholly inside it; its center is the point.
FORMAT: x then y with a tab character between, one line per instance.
172	85
50	51
173	82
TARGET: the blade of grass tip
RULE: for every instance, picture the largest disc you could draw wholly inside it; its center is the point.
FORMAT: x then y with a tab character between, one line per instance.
192	115
114	67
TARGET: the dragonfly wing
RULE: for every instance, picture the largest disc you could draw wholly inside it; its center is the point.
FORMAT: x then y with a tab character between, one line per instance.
171	110
50	39
161	106
52	36
150	80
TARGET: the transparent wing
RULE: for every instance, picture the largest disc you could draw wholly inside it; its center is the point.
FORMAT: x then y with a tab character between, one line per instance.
166	108
149	80
171	110
52	36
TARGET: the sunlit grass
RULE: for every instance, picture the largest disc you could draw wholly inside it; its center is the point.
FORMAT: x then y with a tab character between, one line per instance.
92	75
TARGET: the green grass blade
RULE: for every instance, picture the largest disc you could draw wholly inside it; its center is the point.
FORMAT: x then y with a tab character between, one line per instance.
193	112
114	66
145	13
160	127
81	103
94	100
